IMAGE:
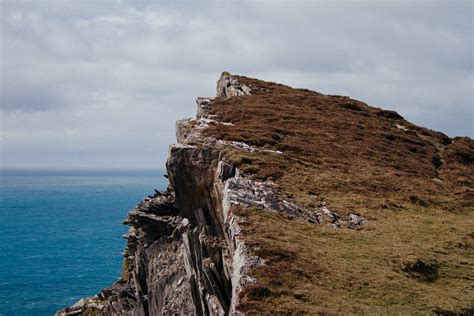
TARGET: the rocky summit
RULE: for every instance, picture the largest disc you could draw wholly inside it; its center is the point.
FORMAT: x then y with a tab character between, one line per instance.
286	200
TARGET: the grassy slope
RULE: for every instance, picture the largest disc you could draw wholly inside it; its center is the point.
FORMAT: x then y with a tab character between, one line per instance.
414	186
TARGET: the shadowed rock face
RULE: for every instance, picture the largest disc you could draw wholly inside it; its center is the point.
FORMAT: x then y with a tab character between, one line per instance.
187	248
184	254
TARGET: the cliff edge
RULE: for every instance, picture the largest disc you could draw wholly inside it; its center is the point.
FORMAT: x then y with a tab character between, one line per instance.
290	201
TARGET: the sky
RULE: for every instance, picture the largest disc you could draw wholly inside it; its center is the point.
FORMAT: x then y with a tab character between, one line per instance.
99	84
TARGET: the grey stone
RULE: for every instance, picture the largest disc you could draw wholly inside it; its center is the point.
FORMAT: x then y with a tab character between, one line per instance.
185	253
228	86
356	221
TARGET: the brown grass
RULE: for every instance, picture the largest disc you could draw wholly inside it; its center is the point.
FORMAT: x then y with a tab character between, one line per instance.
414	186
316	269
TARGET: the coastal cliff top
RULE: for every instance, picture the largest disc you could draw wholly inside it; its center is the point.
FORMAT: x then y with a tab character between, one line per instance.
336	146
289	201
412	184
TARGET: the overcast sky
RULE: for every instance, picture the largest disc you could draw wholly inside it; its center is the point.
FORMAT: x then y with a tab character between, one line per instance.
99	84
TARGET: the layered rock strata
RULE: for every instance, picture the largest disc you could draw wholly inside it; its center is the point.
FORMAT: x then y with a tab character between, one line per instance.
184	253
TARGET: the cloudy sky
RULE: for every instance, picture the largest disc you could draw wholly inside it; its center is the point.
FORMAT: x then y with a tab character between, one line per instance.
99	84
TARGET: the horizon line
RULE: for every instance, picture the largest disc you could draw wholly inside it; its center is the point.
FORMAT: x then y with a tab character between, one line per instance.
6	171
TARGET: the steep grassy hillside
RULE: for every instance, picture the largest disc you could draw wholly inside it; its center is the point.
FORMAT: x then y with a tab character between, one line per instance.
412	184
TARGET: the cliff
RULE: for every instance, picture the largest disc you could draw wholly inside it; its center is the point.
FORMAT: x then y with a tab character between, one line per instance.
287	200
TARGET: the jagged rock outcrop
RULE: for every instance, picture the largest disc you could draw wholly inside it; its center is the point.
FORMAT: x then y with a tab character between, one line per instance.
190	249
184	254
228	86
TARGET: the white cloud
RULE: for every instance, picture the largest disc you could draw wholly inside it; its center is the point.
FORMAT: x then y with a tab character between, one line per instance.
105	81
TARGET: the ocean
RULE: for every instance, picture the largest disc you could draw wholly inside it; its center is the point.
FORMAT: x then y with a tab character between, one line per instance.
61	234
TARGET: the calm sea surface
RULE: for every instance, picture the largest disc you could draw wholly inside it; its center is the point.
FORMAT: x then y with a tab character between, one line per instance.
60	235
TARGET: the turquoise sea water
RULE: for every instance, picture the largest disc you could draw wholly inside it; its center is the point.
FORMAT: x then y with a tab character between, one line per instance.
60	235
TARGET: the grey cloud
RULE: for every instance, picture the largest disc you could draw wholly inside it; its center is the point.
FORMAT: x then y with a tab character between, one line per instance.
105	80
20	97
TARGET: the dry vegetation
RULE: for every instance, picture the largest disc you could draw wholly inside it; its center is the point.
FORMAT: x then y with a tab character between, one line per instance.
414	186
316	269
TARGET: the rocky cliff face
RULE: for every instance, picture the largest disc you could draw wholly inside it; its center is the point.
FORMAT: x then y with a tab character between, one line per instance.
198	248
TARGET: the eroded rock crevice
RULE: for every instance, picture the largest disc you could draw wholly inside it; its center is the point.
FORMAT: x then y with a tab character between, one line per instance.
185	253
192	174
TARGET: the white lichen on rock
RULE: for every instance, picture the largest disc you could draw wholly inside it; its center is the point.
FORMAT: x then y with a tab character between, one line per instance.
228	86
